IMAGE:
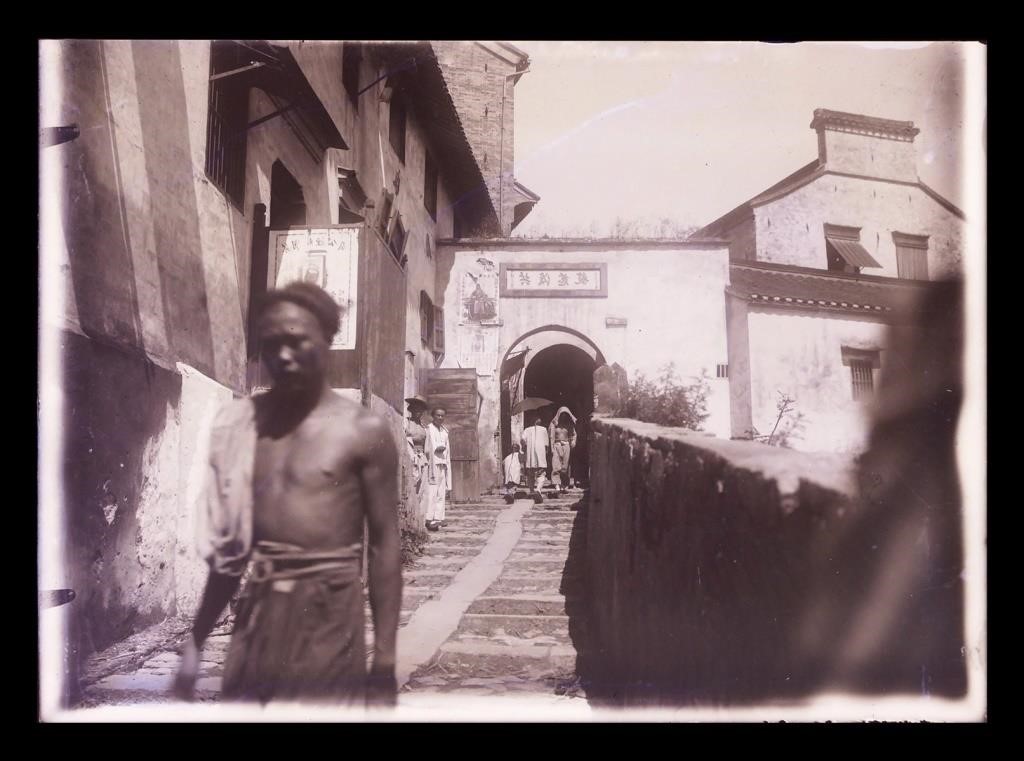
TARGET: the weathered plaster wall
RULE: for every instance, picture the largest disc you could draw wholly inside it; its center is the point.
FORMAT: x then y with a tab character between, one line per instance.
800	355
868	155
790	230
131	487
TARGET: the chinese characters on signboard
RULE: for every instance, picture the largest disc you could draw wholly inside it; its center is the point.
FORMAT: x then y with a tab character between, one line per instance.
326	256
554	280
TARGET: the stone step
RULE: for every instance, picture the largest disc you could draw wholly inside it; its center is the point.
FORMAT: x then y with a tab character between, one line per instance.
524	649
491	624
425	573
482	660
526	638
537	556
151	683
519	604
462	540
513	575
439	682
434	561
542	560
459	536
538	544
466	550
528	586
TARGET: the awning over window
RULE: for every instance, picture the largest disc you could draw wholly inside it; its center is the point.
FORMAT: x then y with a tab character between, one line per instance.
852	252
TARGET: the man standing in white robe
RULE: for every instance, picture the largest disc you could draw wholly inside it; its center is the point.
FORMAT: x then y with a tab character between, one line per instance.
535	446
439	468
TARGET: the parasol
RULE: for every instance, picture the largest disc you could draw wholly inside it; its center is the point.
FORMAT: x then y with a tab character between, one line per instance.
531	403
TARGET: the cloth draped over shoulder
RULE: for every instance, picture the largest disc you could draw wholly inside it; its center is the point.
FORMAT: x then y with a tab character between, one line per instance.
224	524
558	423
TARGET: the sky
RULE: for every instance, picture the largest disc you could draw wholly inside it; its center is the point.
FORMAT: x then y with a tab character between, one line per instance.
688	131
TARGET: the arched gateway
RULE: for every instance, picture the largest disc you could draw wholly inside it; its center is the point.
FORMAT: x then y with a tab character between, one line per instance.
538	317
552	362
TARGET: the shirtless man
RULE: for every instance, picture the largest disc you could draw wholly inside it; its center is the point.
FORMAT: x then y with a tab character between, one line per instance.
295	472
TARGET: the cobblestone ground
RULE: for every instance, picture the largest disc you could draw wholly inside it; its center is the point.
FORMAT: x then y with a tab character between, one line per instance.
515	638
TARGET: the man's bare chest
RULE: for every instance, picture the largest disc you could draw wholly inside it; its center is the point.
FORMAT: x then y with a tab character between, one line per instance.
299	460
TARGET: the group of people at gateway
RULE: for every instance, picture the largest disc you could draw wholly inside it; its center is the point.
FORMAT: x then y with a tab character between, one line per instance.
541	454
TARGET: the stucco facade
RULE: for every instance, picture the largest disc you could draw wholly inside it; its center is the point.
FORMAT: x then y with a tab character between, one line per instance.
791	313
805	363
790	230
644	282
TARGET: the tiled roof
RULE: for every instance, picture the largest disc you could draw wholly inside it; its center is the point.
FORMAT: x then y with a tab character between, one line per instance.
804	288
843	120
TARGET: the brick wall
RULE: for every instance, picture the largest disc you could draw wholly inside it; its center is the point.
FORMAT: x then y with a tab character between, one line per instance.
479	84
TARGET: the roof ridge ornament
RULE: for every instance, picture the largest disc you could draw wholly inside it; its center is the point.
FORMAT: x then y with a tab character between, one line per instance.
843	121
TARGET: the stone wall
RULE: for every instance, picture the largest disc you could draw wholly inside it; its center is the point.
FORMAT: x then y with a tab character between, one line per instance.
717	568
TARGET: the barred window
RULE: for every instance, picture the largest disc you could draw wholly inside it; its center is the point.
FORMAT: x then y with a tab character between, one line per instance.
227	119
862	364
863	379
722	371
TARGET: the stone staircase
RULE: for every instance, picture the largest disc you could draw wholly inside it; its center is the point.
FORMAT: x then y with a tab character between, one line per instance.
518	637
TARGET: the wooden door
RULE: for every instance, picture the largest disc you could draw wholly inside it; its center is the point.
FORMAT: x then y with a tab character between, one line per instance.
455	389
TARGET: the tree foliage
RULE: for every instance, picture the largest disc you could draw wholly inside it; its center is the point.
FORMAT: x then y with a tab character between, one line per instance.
666	400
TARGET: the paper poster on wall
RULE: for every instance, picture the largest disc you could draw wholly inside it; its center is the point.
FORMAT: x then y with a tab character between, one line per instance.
478	347
478	294
326	256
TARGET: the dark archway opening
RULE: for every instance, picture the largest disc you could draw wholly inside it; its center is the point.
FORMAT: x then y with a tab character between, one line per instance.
565	374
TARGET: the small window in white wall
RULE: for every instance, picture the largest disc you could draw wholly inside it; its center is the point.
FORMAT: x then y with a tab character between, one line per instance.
862	363
722	371
911	256
843	250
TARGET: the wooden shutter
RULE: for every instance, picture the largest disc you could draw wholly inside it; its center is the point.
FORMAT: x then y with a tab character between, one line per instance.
911	255
426	318
438	330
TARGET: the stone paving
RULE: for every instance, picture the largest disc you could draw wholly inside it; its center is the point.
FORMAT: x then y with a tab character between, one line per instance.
515	638
512	639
